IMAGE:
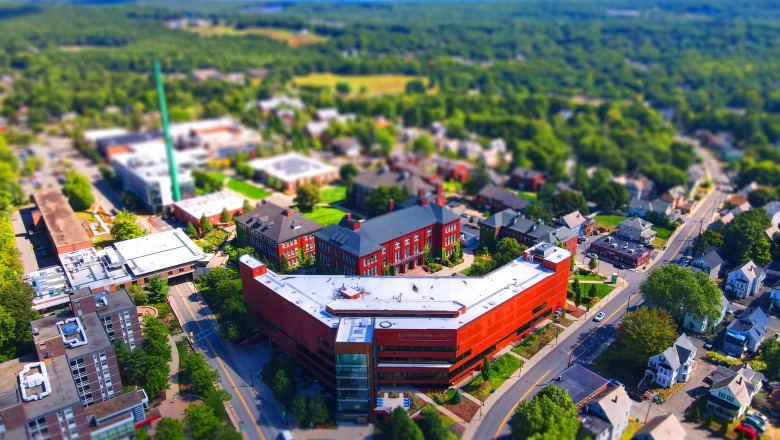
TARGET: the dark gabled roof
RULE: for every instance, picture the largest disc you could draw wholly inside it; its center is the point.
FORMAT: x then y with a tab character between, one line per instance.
348	240
525	173
711	258
515	221
385	177
748	322
581	383
505	197
273	222
394	224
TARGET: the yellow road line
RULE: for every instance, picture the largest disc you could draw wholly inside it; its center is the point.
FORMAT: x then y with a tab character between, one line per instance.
195	320
509	414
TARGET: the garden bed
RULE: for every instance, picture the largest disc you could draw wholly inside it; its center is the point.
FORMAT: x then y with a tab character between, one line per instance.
500	370
466	409
537	340
563	320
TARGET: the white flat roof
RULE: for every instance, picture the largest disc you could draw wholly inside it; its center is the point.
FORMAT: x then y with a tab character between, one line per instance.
291	167
210	204
153	253
89	268
478	295
100	133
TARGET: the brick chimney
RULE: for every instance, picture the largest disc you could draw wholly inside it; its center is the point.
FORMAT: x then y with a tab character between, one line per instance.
423	202
354	225
288	212
441	199
390	205
349	216
420	193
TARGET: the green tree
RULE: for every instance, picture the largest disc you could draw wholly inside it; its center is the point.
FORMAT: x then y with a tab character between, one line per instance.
482	266
665	176
205	225
577	289
424	145
299	410
680	291
208	182
283	388
199	373
761	196
432	426
200	421
225	217
191	231
343	88
158	288
246	207
318	409
284	265
644	332
308	197
16	298
703	241
477	180
744	238
169	429
402	427
568	201
78	191
774	247
125	227
348	172
508	249
132	363
593	263
378	200
415	87
770	354
547	415
593	294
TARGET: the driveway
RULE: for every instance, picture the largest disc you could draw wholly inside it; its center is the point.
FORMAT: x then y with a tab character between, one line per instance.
695	387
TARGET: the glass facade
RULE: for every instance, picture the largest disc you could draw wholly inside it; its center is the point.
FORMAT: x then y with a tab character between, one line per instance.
352	383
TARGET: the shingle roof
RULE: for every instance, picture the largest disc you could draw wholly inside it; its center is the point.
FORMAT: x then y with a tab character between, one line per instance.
505	197
348	240
525	173
384	177
772	208
574	219
273	221
662	428
615	404
636	222
711	258
515	221
749	269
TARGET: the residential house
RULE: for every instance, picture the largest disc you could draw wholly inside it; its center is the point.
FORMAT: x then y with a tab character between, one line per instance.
710	262
368	181
661	428
349	147
641	207
740	206
674	364
397	239
449	169
675	196
640	188
577	222
276	232
695	175
509	223
606	416
279	102
527	180
745	280
721	222
497	199
730	397
774	296
773	210
636	229
698	325
203	75
582	384
746	332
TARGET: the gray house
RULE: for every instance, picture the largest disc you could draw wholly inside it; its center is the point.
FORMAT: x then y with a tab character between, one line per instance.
710	262
636	229
745	333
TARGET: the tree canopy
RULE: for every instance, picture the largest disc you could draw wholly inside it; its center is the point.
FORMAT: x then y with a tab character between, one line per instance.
308	197
79	191
125	226
644	332
680	291
745	239
550	414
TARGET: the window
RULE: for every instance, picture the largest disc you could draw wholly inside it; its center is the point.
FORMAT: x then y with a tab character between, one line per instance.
406	241
397	255
429	232
416	237
397	244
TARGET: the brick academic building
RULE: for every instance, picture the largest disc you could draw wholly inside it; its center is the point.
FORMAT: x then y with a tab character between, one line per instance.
358	333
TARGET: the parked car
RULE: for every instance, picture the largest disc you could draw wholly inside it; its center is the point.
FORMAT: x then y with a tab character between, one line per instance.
599	316
754	422
582	239
758	415
747	432
591	255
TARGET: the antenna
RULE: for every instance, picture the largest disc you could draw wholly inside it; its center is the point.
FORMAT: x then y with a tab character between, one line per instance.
166	132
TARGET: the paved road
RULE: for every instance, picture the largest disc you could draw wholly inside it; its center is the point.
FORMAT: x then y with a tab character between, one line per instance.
261	419
580	345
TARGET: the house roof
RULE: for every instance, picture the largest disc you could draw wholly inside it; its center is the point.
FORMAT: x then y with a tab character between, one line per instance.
515	221
754	322
525	173
676	192
662	428
742	385
505	197
386	177
395	224
581	383
614	403
749	269
772	208
278	223
710	259
574	219
636	223
348	240
345	145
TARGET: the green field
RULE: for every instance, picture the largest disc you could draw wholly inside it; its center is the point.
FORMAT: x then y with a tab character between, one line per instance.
247	189
333	194
527	195
602	290
373	84
661	233
587	278
453	187
286	36
217	175
325	216
609	221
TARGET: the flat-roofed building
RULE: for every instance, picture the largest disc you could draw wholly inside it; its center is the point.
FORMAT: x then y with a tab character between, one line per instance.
614	248
423	331
63	227
116	310
51	288
209	205
293	170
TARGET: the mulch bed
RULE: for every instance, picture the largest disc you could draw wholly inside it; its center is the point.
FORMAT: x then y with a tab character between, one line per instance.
574	311
466	409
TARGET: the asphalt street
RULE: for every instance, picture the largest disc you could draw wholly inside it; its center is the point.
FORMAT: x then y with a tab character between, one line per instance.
579	346
260	418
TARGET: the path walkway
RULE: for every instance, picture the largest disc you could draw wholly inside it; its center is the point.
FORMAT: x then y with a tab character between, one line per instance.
173	406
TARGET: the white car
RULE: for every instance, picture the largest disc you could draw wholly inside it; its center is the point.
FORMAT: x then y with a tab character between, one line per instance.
599	316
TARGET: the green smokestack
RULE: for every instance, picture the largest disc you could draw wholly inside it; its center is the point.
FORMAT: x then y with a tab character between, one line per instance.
167	132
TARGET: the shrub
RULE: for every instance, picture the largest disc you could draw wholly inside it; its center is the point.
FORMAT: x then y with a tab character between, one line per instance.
717	358
457	398
394	395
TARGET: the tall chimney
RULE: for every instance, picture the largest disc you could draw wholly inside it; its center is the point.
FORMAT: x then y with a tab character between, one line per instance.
354	225
420	193
390	205
349	216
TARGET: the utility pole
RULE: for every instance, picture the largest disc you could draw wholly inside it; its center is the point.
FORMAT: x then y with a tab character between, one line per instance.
167	133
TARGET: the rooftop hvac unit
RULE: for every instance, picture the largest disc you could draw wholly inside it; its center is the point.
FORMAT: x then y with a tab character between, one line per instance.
70	330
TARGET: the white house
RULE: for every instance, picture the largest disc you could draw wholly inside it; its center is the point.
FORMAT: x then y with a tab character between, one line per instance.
709	262
698	325
745	280
730	397
636	229
606	416
674	364
661	428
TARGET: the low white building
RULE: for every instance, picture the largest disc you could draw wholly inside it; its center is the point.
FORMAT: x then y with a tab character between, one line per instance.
745	280
674	364
700	325
292	170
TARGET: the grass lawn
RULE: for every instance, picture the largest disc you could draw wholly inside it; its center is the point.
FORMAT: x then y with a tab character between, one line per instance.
333	194
102	241
527	195
453	187
609	221
216	175
325	216
661	235
501	369
587	278
247	189
538	339
373	84
286	36
602	290
88	216
633	427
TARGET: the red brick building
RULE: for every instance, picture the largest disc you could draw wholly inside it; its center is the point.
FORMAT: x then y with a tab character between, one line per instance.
527	180
613	248
423	331
277	232
397	239
509	223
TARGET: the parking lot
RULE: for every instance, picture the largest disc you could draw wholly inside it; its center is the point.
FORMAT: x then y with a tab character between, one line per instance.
36	250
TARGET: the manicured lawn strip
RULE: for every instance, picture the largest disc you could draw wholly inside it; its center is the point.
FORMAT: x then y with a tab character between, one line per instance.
538	339
333	194
527	195
602	289
501	369
88	216
661	233
247	189
325	216
586	278
609	221
453	187
217	175
373	84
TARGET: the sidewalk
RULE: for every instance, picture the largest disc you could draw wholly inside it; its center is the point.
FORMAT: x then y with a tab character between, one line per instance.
173	406
471	428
